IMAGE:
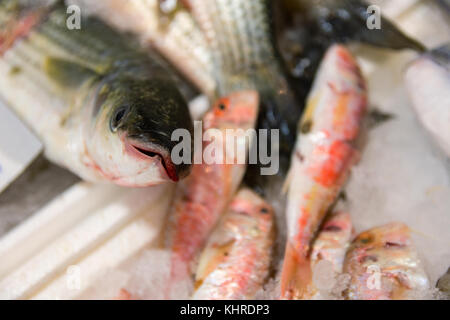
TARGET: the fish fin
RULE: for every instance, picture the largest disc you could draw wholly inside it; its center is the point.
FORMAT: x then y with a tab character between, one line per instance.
441	55
296	276
210	258
287	181
348	20
377	117
388	36
423	234
65	73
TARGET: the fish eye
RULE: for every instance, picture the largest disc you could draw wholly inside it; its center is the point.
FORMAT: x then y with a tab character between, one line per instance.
264	210
117	117
222	106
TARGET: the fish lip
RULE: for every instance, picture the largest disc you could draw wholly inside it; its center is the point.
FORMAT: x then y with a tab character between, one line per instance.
149	151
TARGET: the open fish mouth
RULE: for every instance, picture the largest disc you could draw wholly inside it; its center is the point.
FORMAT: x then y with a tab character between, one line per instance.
149	152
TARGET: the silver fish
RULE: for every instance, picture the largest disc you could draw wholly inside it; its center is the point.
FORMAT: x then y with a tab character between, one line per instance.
103	108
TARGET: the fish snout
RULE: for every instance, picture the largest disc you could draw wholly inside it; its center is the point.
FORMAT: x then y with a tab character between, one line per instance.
151	151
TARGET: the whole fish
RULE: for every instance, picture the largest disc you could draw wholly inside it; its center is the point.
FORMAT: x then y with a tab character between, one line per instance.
103	108
322	160
383	265
240	36
428	84
202	198
236	260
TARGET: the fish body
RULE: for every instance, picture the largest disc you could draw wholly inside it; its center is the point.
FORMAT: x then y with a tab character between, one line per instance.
235	262
428	84
103	108
383	265
168	27
240	36
332	241
327	254
202	198
322	159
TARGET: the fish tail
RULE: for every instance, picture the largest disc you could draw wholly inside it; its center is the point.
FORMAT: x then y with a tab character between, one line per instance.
354	20
392	37
445	4
388	35
179	271
296	276
441	55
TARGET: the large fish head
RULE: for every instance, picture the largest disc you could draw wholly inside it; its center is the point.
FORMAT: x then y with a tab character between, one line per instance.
237	110
133	123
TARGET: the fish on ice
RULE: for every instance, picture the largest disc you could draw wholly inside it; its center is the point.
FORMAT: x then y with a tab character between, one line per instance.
103	107
201	199
321	161
235	263
383	265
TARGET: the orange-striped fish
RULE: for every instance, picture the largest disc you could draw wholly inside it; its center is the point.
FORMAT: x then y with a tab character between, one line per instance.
236	260
322	159
384	265
203	196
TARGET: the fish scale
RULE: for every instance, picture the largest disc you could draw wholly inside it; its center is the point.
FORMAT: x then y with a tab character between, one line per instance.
86	50
237	44
33	81
80	53
30	54
240	37
227	25
30	62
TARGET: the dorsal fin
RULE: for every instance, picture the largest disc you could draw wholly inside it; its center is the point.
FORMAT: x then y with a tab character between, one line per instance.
67	73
